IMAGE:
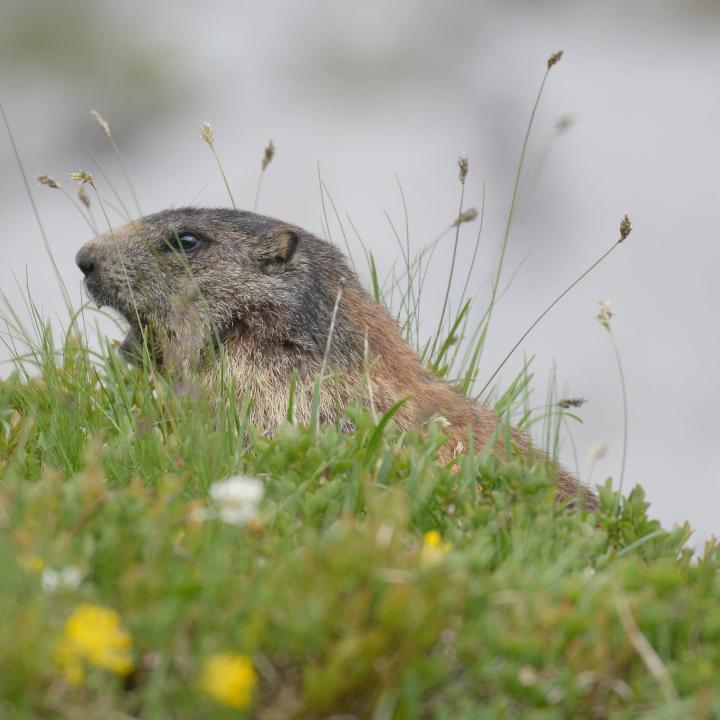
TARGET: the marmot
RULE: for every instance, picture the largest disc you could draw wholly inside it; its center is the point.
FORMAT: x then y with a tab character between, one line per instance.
267	291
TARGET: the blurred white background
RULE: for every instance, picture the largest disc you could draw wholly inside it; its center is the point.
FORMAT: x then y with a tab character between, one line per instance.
377	89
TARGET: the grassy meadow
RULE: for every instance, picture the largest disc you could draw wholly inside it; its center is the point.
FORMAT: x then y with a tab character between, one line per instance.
162	558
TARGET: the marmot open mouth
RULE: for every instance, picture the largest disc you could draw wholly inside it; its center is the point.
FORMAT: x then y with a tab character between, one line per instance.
94	292
132	343
131	346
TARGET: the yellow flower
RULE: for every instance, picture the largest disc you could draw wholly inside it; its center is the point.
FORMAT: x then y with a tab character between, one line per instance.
229	679
434	548
433	540
93	635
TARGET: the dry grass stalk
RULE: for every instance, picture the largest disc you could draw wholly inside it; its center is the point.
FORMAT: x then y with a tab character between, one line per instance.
644	649
342	282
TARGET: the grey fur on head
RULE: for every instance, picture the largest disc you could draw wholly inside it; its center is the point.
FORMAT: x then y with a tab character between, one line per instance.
248	273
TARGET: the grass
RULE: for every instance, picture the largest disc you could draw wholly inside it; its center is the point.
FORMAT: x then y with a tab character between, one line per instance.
160	557
336	588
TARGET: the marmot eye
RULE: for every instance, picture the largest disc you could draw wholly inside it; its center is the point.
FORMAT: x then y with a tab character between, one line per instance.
184	242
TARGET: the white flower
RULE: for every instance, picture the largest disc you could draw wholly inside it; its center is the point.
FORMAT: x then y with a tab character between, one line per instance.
68	578
237	498
527	676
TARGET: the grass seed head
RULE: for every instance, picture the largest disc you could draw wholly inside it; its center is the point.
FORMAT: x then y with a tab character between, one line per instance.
554	59
572	402
100	120
596	452
604	313
49	181
268	155
465	216
625	228
463	165
564	123
207	133
83	197
82	177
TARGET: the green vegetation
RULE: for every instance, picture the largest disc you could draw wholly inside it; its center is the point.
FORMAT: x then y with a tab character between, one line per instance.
369	581
161	558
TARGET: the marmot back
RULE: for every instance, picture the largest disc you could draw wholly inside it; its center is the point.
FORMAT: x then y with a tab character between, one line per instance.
266	290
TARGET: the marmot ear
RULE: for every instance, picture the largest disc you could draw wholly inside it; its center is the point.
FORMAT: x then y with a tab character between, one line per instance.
278	247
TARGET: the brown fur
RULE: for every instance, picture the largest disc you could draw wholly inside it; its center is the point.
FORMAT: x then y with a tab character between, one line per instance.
266	291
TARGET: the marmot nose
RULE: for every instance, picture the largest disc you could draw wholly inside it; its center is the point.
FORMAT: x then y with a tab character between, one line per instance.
85	260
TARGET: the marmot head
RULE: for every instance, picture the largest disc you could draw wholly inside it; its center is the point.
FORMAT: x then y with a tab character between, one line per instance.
193	276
